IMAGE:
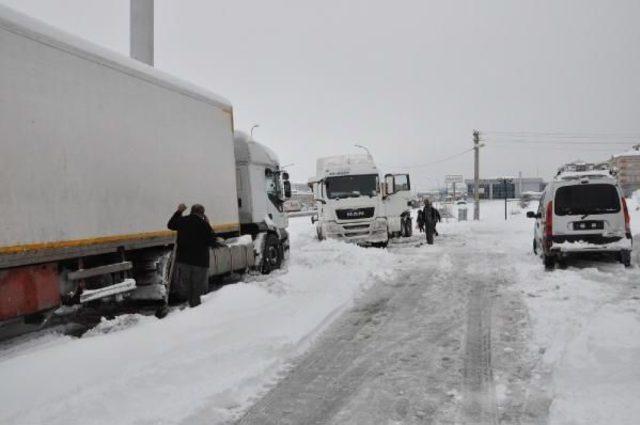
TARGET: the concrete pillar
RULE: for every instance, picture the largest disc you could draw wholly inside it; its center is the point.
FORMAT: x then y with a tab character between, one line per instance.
141	28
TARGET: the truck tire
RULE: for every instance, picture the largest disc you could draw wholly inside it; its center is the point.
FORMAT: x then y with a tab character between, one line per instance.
549	262
535	247
625	257
272	255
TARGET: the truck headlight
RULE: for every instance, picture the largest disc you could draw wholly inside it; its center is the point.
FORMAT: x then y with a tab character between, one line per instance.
332	227
379	224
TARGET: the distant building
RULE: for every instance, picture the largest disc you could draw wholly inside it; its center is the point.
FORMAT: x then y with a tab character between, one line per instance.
628	167
494	188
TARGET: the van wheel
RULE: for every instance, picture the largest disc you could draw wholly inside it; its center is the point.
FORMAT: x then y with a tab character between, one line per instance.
272	256
549	262
625	258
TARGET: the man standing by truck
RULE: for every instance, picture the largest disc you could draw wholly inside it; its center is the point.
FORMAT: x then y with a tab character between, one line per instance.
195	237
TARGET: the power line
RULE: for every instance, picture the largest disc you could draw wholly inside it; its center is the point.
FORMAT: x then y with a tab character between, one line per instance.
555	142
427	164
563	135
533	146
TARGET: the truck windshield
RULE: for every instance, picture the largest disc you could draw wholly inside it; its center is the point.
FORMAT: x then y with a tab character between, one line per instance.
351	186
587	199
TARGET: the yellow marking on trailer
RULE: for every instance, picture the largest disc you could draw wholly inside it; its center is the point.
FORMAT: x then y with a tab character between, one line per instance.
131	237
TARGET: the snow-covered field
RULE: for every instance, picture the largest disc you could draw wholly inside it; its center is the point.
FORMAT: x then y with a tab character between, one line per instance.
208	364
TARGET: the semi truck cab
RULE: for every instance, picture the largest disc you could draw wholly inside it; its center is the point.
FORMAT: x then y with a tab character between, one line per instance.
348	193
262	188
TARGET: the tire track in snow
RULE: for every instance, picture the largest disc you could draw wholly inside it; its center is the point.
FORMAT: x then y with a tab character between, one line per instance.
479	391
392	358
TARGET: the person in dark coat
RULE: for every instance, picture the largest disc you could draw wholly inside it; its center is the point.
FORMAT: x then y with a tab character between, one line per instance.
431	217
195	238
420	221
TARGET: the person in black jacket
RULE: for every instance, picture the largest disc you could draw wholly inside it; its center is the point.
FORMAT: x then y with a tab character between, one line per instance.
420	221
431	217
195	237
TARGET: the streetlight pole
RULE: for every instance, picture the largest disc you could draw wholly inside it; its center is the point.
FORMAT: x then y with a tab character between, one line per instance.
251	132
365	148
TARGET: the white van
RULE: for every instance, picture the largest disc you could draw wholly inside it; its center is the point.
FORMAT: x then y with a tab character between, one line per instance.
582	212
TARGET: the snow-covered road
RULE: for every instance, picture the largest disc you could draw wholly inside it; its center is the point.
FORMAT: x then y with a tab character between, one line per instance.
471	330
419	348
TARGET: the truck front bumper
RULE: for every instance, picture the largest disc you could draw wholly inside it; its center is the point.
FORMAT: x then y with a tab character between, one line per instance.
368	232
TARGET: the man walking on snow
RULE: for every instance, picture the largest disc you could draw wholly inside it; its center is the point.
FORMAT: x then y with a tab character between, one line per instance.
431	217
195	237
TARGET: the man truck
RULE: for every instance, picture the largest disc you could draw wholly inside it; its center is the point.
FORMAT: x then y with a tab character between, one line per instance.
353	204
97	150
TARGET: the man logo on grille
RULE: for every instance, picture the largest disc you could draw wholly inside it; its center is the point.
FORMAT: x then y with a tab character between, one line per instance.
358	213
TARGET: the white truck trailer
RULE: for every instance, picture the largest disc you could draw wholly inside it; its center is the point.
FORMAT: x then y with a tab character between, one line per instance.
96	152
354	205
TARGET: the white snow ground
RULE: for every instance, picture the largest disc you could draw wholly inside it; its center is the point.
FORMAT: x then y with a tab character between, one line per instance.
213	361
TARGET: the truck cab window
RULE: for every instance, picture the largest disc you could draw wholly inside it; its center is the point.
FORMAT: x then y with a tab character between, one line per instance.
352	186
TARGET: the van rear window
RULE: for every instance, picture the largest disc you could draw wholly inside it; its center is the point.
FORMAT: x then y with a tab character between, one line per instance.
587	199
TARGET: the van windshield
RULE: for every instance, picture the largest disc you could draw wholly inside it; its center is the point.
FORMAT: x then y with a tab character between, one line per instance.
587	199
351	186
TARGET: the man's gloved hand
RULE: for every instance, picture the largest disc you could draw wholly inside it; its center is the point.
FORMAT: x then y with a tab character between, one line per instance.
182	207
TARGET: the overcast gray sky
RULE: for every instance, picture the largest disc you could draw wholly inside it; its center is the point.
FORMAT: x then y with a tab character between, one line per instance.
410	79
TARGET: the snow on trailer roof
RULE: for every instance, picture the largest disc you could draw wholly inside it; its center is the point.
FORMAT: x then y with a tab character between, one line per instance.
247	150
40	32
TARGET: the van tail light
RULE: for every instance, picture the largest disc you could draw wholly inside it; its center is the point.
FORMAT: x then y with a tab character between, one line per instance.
627	219
548	226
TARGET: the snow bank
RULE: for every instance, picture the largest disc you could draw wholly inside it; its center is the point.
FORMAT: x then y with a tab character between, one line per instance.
199	365
598	378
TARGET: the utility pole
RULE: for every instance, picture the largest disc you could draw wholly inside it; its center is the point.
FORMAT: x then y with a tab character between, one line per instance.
476	174
141	31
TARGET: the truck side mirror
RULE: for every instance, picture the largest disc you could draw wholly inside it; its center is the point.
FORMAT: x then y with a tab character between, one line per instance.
531	214
389	184
287	189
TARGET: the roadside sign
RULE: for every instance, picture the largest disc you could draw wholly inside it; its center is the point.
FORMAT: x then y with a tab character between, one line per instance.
453	178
